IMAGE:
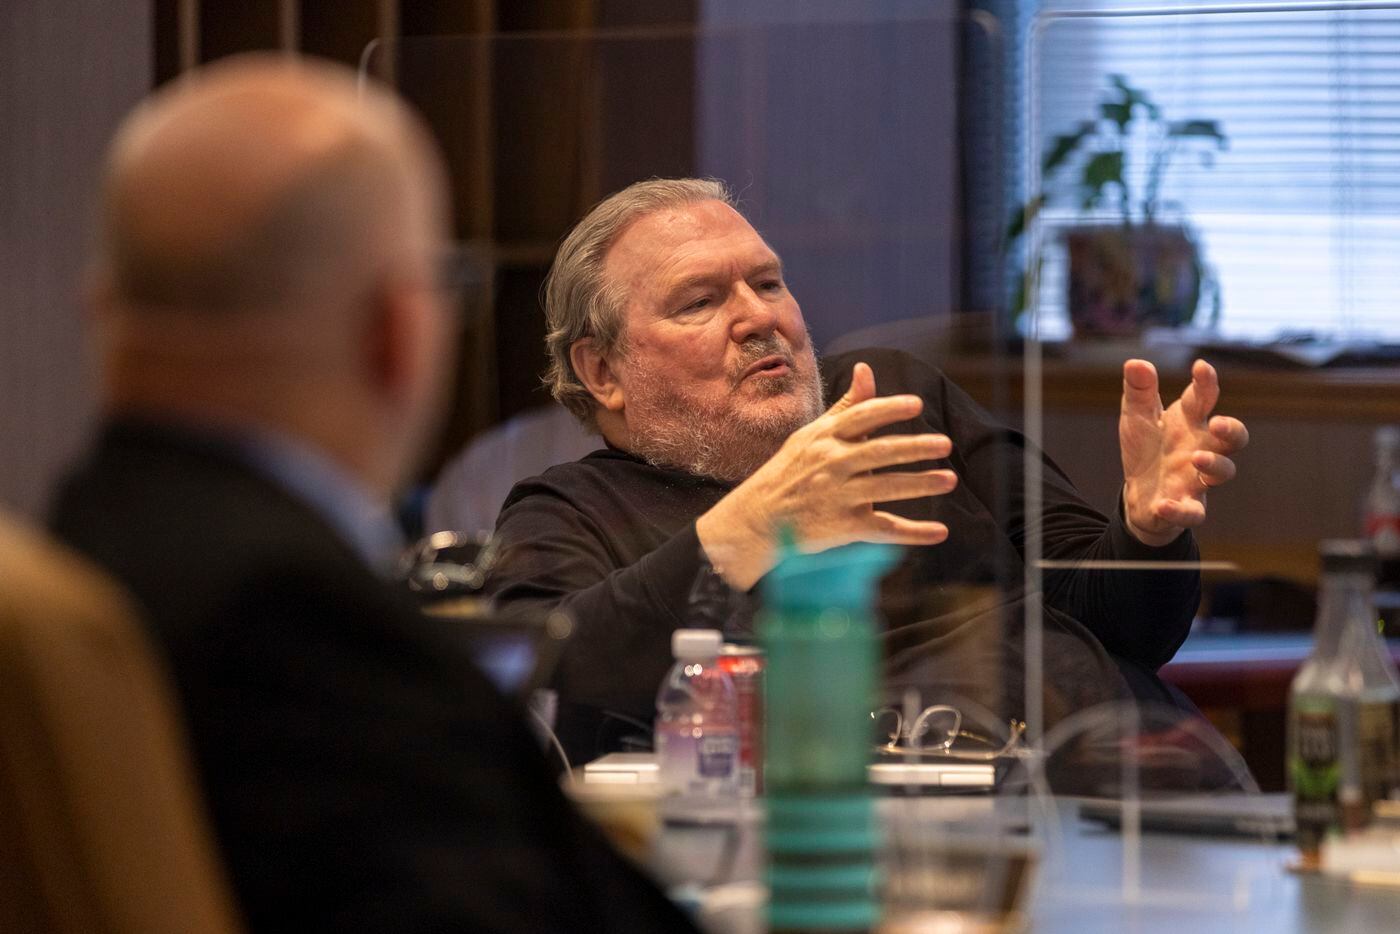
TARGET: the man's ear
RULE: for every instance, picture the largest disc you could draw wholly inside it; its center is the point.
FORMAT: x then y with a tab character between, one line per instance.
394	331
596	374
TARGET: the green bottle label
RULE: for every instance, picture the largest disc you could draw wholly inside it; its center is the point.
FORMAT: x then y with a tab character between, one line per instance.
1316	771
1377	751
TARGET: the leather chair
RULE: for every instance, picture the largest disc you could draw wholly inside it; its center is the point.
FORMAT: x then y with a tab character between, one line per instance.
101	827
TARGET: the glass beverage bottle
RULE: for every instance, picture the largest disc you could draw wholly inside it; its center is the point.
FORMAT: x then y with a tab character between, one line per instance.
1342	706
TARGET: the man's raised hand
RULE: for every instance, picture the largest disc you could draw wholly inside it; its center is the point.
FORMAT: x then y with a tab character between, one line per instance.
820	482
1172	457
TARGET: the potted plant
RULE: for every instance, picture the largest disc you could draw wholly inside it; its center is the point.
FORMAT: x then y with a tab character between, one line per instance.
1136	271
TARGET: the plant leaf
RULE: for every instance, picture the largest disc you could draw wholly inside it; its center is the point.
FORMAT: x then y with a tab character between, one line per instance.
1198	129
1117	113
1121	110
1105	168
1018	298
1021	298
1024	216
1129	94
1061	147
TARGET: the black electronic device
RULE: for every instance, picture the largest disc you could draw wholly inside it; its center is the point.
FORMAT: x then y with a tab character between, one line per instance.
517	650
1260	816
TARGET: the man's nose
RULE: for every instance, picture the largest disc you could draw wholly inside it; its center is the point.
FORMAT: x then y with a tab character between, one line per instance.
753	317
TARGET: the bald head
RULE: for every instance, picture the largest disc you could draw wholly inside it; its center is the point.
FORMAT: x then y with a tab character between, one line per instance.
269	247
260	184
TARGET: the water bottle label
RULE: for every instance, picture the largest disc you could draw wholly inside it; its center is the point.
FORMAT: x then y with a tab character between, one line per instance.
698	763
715	755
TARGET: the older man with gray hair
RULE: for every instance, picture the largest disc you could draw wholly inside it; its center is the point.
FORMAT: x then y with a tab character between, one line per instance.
673	333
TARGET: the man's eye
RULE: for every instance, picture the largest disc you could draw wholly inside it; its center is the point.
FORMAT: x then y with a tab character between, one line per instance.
771	285
698	304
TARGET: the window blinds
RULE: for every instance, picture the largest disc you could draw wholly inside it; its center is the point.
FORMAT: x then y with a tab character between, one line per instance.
1300	216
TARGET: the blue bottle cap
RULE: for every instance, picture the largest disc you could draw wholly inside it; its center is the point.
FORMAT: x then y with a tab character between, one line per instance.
839	577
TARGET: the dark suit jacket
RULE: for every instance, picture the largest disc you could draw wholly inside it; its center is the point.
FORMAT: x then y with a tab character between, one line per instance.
361	773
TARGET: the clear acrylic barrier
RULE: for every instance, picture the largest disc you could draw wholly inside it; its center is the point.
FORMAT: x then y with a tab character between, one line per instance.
1332	231
841	140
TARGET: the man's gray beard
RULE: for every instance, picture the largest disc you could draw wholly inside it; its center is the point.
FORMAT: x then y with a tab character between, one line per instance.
670	429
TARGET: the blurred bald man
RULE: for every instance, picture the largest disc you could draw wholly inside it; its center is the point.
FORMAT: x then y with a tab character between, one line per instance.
274	340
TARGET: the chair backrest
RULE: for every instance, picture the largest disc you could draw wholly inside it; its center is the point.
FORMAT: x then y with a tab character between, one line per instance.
472	486
101	826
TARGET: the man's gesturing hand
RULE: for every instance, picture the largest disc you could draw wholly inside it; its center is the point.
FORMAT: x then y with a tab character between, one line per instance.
821	483
1172	457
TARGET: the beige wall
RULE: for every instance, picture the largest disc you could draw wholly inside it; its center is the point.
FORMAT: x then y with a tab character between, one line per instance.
69	69
1299	482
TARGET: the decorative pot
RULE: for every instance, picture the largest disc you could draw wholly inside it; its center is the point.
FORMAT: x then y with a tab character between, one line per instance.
1123	279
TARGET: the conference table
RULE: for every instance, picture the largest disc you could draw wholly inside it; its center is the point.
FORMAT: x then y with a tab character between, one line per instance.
1251	670
1246	677
1191	884
1085	878
1177	883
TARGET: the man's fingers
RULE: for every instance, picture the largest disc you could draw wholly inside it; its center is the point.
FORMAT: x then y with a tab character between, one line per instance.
1213	469
862	388
898	530
1183	513
1140	395
1230	432
892	451
1199	399
900	485
860	419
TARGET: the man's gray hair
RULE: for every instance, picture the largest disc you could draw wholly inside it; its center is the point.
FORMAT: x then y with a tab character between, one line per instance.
579	302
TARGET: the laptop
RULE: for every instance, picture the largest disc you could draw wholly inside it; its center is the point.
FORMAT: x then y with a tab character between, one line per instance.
1259	816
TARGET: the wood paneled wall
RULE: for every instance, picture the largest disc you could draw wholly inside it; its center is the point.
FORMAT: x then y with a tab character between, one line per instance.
497	116
69	71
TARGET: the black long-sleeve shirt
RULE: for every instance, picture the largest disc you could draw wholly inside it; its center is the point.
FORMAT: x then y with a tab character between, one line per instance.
611	539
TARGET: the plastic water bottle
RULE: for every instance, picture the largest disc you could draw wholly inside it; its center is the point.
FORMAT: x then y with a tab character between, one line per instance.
697	735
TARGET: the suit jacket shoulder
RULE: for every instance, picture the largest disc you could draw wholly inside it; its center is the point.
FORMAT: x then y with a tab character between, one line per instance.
361	773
